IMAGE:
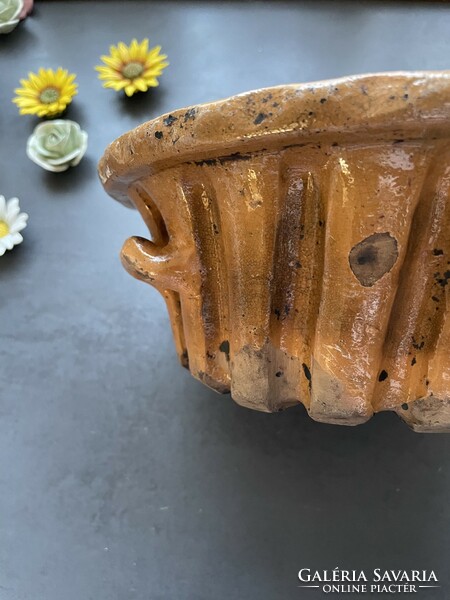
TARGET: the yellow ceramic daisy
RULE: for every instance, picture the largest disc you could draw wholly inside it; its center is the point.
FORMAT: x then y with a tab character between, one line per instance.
47	93
132	68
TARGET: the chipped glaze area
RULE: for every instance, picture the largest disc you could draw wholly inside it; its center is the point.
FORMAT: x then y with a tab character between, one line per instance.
301	239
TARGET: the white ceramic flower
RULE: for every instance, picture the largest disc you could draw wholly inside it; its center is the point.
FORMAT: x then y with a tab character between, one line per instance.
57	145
9	14
11	222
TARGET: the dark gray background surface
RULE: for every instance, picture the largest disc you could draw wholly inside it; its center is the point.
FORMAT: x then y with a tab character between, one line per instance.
121	477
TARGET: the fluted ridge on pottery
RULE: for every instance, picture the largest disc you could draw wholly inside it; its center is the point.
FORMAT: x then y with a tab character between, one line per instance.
301	239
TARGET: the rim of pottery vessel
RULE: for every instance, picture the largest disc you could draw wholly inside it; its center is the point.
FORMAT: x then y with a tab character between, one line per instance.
381	106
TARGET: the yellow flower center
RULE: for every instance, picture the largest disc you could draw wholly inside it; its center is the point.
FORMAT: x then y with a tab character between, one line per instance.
49	95
132	70
4	229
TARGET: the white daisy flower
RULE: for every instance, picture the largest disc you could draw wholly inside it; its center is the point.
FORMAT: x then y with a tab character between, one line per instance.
11	222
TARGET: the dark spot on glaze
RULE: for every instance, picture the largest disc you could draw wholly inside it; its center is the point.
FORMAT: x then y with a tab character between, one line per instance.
405	406
207	161
435	299
298	264
323	100
184	359
170	120
438	252
278	373
260	118
368	256
277	312
223	159
442	281
307	372
295	145
413	362
373	257
417	345
383	375
225	348
159	135
190	114
235	156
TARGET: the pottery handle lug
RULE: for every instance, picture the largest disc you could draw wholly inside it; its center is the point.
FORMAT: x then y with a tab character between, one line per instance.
146	261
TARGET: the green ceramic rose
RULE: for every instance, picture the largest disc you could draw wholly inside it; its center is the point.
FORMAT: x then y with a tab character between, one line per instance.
9	14
57	145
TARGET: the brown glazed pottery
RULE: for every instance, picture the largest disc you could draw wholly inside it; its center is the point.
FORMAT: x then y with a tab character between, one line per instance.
301	240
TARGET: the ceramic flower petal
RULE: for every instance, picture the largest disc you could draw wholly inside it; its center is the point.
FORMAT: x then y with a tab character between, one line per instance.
11	222
57	145
46	93
132	68
10	11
